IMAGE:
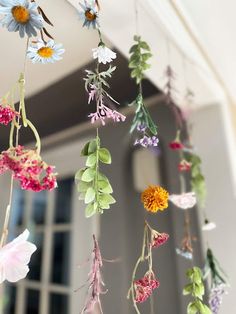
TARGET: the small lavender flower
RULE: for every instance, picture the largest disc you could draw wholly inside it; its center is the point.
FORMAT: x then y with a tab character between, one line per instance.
147	141
141	128
216	297
186	254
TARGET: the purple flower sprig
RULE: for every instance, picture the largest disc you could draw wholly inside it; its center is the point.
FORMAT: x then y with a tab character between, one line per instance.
145	140
96	284
103	112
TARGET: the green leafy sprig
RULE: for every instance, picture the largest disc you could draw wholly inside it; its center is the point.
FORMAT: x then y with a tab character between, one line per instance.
197	179
214	270
140	53
196	289
94	187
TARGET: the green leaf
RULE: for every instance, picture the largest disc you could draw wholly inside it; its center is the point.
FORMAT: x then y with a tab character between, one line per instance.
188	289
89	196
83	186
198	290
84	151
90	210
88	175
192	308
91	160
144	45
105	187
105	200
79	174
92	146
102	177
104	155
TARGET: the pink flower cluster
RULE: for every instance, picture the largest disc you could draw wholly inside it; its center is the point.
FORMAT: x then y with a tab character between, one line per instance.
184	165
176	145
7	114
103	112
145	286
29	168
159	238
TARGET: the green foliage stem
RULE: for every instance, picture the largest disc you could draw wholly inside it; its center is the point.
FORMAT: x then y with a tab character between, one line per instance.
196	289
93	186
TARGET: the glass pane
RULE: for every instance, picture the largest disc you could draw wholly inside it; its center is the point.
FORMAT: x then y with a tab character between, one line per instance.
32	302
10	299
18	205
61	258
36	259
63	201
39	207
58	304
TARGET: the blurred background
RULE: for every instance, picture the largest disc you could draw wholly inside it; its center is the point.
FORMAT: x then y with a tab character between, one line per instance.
196	39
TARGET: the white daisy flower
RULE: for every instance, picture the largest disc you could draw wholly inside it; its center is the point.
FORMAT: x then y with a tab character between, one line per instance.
208	226
89	14
184	200
45	52
15	257
21	16
103	54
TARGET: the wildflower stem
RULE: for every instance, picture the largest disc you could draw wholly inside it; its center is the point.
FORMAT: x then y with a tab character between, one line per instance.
7	216
22	98
37	137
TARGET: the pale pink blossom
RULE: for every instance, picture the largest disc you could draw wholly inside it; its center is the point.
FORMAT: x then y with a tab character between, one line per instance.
15	257
184	200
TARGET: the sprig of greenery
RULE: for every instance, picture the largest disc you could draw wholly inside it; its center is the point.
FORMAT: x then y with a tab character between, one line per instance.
142	116
98	78
197	179
140	53
196	289
94	187
214	270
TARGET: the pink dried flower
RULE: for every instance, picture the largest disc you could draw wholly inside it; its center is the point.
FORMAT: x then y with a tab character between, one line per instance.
103	112
184	165
29	168
95	280
7	114
159	238
145	286
175	145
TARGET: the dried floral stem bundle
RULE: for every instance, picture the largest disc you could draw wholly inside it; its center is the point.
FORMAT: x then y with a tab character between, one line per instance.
140	290
95	282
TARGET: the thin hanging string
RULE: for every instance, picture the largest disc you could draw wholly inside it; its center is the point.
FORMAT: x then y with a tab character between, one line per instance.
8	208
136	12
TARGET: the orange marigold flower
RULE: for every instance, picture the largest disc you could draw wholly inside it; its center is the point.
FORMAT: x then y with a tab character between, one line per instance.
155	198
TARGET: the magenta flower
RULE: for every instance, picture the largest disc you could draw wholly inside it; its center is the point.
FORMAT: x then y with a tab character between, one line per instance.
144	287
7	114
15	257
29	168
159	238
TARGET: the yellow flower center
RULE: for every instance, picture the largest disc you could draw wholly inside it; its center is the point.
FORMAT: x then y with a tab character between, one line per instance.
45	52
90	16
20	14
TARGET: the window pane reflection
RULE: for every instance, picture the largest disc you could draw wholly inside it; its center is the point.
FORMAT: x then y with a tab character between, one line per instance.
32	302
63	201
36	259
58	304
60	258
10	299
39	207
18	206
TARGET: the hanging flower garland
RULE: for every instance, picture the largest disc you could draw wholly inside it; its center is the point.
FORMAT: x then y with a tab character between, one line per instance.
143	123
94	187
95	282
24	163
141	289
